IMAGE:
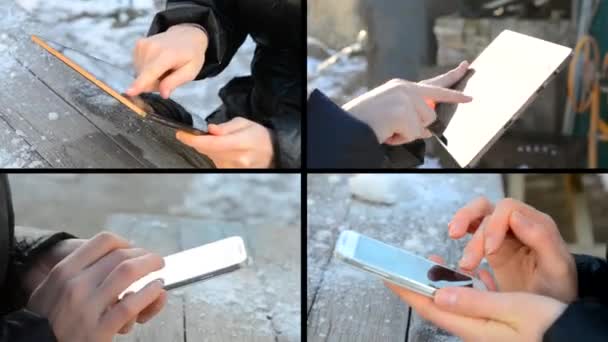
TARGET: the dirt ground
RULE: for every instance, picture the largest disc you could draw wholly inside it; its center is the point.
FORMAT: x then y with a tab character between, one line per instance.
80	204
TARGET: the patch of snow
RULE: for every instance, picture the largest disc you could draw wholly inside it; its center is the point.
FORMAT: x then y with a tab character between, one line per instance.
20	133
373	188
53	116
243	197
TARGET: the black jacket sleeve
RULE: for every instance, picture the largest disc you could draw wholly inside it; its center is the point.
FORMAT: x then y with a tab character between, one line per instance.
221	21
19	249
586	319
25	326
338	140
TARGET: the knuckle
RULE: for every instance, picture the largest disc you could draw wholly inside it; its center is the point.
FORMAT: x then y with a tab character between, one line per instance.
125	311
484	201
141	43
244	161
72	292
158	261
107	238
58	274
509	202
127	270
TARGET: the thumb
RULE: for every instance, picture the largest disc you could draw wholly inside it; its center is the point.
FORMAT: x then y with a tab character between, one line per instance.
475	303
228	127
204	143
174	80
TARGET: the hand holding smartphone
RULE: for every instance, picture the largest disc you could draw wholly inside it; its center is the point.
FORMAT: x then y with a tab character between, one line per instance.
197	264
398	266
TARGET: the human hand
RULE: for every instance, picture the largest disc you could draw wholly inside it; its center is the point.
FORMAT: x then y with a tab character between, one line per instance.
45	263
238	143
167	60
397	112
82	291
522	245
476	315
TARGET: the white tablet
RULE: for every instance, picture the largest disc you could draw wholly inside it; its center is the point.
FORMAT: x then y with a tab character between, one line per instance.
503	80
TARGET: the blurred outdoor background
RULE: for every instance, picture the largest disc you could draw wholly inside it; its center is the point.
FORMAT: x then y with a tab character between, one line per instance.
577	202
355	45
108	30
81	203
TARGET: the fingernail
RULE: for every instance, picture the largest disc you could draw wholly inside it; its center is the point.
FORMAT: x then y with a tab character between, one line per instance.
446	297
465	261
451	229
454	229
490	244
161	281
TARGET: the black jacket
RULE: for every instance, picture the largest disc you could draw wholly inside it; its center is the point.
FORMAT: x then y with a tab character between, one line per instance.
586	319
272	95
17	251
338	140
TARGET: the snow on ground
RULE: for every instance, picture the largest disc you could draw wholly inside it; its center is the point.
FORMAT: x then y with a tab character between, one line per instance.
109	29
267	197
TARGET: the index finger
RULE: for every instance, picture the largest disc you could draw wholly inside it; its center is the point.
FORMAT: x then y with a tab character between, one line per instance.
498	222
150	75
88	253
468	218
439	94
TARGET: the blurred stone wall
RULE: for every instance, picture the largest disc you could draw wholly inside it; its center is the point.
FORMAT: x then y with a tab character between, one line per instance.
400	32
459	38
336	23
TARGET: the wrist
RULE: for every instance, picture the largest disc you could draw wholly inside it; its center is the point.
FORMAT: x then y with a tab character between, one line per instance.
364	118
198	32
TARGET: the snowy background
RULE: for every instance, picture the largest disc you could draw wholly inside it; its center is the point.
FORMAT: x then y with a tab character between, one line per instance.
108	30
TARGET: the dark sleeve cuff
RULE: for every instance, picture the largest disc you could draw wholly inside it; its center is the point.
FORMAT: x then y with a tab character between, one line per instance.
30	243
336	139
25	326
405	156
592	276
224	39
582	321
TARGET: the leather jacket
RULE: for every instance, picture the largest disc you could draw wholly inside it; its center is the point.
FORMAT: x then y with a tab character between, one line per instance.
272	95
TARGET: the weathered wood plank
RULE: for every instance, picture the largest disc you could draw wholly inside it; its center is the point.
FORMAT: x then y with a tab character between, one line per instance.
15	152
255	303
69	141
354	306
327	206
276	260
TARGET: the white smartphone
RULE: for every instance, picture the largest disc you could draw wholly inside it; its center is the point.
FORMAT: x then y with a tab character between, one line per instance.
398	266
196	264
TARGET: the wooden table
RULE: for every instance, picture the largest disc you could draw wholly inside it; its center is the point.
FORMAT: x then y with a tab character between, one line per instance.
51	117
260	302
344	304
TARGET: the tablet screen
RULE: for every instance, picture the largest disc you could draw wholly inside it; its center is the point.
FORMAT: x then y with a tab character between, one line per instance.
503	80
